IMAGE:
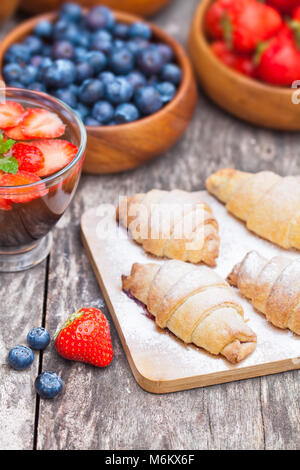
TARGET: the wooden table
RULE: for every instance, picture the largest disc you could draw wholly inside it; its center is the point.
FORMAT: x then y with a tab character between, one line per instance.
106	409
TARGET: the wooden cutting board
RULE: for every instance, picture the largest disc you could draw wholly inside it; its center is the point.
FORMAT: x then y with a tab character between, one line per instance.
159	361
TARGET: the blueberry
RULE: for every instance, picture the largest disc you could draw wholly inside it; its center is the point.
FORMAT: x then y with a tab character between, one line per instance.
140	30
137	45
83	71
48	384
103	111
12	72
62	50
150	61
36	60
91	91
106	76
71	12
90	121
82	110
97	60
121	61
121	30
102	35
118	44
60	74
20	357
67	96
118	91
38	338
166	90
45	63
33	44
59	29
100	17
37	86
80	54
166	52
44	29
171	73
29	75
17	53
126	112
102	45
148	100
83	39
136	79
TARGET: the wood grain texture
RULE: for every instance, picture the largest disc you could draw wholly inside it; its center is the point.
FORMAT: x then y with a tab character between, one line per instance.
254	101
21	297
7	9
111	149
138	7
106	409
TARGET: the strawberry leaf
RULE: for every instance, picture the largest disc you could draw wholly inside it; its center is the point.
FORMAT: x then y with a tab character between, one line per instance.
8	164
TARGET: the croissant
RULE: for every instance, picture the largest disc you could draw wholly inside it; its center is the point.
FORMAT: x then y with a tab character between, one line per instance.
172	224
272	286
268	203
195	304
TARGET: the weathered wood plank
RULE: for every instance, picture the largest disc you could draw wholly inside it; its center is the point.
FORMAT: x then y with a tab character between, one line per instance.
21	297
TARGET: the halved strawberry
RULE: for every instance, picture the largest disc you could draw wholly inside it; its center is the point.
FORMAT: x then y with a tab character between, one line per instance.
57	153
16	133
30	158
22	195
40	123
11	114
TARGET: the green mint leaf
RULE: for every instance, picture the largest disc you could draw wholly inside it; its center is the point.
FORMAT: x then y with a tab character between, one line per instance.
9	164
6	146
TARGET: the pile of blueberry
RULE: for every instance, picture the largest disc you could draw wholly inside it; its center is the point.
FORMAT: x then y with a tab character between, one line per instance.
109	72
47	384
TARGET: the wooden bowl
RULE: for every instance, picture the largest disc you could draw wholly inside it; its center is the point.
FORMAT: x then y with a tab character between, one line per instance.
112	149
7	9
249	99
137	7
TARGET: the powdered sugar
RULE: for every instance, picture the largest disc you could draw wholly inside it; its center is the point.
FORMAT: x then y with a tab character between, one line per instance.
156	353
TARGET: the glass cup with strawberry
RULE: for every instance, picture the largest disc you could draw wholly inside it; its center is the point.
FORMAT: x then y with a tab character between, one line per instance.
42	145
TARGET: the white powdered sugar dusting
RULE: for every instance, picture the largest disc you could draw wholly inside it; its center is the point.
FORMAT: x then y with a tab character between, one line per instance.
158	354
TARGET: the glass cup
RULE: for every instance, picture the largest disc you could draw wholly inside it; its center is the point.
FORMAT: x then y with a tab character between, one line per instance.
29	212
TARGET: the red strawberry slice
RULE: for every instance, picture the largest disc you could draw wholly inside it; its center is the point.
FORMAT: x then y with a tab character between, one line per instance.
16	133
57	153
42	124
29	157
11	114
22	195
85	337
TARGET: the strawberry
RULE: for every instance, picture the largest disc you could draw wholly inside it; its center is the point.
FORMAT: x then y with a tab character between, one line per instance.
29	157
11	114
57	153
245	23
85	337
21	178
16	133
284	6
240	62
42	124
278	60
213	18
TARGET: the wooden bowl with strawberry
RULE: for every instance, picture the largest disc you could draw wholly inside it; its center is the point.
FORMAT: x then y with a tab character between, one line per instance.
251	73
